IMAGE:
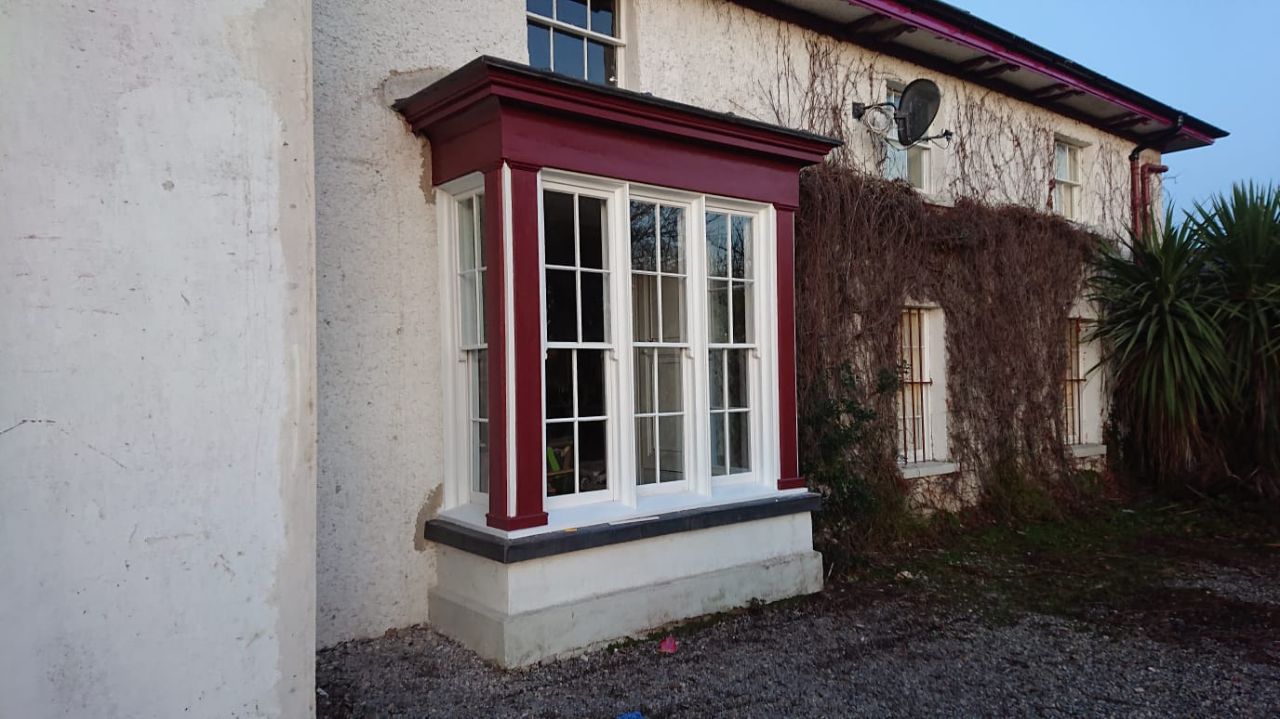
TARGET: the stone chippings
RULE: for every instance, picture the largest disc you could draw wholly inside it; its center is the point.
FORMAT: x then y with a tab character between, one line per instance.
820	658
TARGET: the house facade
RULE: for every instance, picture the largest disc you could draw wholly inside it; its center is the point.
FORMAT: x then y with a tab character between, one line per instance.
341	317
1040	137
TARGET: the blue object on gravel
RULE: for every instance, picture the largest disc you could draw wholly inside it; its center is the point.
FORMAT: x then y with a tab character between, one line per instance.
631	715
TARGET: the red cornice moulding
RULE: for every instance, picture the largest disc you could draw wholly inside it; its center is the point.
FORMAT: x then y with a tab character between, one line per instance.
486	78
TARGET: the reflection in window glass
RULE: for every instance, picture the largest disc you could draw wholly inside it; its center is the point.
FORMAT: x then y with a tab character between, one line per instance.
539	46
575	38
573	12
658	300
576	309
471	272
602	14
730	252
569	54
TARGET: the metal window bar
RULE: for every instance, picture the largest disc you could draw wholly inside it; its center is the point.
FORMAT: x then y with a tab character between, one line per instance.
913	415
1073	385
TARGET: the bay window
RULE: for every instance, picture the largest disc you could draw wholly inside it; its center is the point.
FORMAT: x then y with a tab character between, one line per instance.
619	340
654	375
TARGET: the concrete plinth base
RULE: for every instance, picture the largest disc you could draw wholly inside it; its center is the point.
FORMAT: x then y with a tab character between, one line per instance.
522	613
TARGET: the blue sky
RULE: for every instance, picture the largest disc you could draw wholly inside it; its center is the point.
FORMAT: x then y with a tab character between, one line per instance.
1218	61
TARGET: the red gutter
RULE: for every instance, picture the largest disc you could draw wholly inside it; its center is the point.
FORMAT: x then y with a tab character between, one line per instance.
904	14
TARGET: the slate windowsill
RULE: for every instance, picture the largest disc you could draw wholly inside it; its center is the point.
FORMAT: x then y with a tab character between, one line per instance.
459	535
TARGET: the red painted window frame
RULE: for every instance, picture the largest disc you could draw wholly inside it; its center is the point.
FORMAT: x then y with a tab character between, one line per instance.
493	113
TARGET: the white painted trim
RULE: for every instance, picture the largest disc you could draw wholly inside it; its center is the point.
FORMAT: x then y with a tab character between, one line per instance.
453	367
1080	451
919	470
508	309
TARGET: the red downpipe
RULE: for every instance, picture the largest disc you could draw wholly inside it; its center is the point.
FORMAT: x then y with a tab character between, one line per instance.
1135	201
1139	184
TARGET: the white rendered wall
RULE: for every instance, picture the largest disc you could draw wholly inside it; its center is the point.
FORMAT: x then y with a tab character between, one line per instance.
380	399
157	323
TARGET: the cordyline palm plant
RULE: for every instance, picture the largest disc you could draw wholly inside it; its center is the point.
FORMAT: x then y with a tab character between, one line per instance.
1240	236
1190	324
1162	341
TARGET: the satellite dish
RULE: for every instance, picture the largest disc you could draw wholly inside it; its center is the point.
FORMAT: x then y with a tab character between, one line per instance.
916	109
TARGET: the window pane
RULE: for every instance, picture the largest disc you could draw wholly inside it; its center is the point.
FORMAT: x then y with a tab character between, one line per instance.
718	448
592	475
717	245
739	377
562	306
644	252
645	358
591	401
670	390
672	309
718	310
715	378
466	235
600	63
741	312
672	231
644	307
480	325
739	442
1061	162
591	237
646	452
480	381
559	386
560	459
573	12
602	14
594	305
741	247
569	55
557	221
915	167
482	456
542	7
539	47
895	162
467	307
481	250
671	444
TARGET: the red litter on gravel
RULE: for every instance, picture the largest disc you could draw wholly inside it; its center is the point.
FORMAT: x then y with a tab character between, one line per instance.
668	645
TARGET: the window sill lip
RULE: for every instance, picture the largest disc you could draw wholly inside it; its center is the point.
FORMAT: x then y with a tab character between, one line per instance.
931	468
1091	449
459	535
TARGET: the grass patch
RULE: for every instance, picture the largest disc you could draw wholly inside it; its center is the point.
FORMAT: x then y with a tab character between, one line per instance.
1113	566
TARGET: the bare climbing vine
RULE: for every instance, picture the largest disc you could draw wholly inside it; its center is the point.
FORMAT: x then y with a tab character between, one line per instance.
1003	268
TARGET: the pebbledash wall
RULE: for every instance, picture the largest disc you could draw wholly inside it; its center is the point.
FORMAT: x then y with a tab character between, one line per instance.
157	426
379	325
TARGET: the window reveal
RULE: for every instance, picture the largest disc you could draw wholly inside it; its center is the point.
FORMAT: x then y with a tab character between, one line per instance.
577	331
1066	179
904	163
658	283
578	38
471	274
1073	385
729	340
913	410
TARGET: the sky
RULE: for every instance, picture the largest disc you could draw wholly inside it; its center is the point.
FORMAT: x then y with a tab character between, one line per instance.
1216	60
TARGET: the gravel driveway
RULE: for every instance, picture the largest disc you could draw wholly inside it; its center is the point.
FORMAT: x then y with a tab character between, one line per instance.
1206	643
